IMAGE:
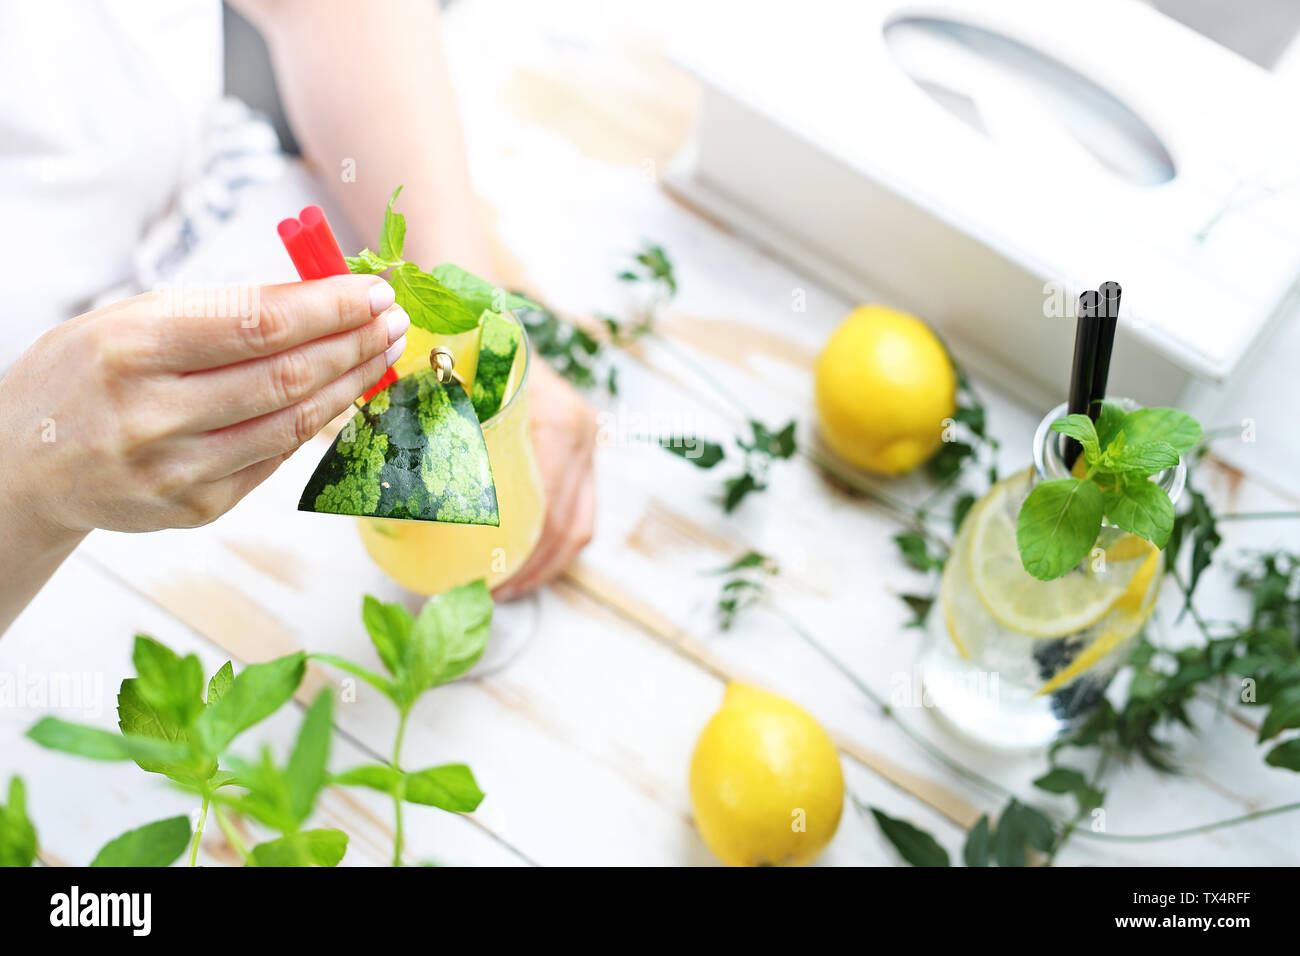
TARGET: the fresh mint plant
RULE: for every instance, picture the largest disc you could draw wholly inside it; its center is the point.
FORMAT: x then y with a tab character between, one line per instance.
168	727
419	653
172	723
1060	520
445	301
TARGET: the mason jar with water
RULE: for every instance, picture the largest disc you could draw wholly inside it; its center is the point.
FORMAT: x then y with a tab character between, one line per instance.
1012	660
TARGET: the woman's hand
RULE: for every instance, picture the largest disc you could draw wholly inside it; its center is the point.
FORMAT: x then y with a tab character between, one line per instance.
564	440
133	419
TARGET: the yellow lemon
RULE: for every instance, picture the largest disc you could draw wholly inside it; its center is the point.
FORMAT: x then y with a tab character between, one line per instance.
884	385
766	784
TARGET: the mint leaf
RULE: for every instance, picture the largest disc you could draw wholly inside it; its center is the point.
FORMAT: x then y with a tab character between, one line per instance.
447	638
379	777
1141	458
735	490
389	627
139	717
919	605
55	734
1285	755
17	835
257	692
431	305
1143	508
1109	422
750	559
154	844
1018	827
1068	780
479	294
268	799
1061	780
1163	424
305	773
1283	714
975	852
368	263
1057	526
916	552
451	787
914	845
392	237
308	848
1082	430
172	684
220	682
701	454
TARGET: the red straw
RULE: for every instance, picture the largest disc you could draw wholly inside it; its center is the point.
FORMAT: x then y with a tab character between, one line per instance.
320	237
316	254
295	243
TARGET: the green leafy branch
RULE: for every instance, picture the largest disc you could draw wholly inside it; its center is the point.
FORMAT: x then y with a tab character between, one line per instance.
759	450
420	653
743	585
169	726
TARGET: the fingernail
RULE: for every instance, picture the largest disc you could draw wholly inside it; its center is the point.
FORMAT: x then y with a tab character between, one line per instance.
398	323
381	297
395	351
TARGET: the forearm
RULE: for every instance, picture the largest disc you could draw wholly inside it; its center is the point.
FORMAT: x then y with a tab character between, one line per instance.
366	88
31	550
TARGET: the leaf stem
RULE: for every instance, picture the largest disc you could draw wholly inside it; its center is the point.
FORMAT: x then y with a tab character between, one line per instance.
198	830
397	797
1190	831
232	835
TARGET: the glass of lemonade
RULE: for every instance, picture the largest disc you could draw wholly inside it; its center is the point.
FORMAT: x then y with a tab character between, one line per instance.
430	557
1010	660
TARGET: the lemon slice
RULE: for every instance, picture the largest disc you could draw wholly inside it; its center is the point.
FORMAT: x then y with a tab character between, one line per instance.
967	621
948	597
1129	548
1126	626
1129	613
1021	602
1135	595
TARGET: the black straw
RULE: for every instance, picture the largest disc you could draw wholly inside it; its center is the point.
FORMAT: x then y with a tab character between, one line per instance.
1086	334
1108	313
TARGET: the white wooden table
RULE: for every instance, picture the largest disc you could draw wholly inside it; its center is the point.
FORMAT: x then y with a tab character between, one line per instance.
583	743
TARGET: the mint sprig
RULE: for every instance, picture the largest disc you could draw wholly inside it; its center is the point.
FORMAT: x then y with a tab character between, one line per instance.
1060	520
447	300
